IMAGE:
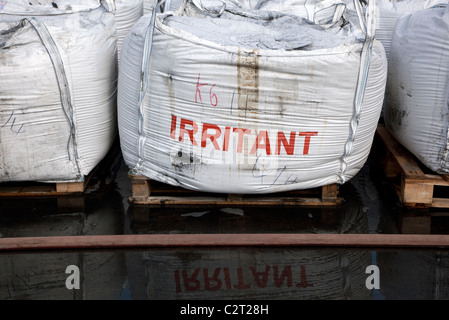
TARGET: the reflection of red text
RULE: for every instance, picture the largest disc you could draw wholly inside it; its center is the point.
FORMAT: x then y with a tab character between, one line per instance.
208	133
204	279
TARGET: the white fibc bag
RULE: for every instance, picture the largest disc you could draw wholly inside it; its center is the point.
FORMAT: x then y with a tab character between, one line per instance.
58	87
389	11
227	100
416	108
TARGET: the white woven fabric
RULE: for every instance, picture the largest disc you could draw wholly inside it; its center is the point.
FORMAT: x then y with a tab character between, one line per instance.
247	102
416	109
58	71
126	14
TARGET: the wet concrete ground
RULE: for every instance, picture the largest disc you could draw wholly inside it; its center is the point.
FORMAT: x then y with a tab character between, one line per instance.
238	273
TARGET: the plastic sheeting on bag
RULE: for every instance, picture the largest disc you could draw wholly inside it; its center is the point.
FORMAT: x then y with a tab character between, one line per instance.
416	109
247	102
318	11
58	71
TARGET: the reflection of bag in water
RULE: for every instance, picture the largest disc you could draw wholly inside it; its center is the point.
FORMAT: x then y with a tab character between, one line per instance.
270	274
42	276
247	101
412	275
58	69
257	273
349	217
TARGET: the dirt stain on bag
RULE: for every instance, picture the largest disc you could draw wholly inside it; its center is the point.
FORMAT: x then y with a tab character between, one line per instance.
248	83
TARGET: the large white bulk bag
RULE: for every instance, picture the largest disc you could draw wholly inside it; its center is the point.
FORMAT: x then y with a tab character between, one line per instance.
247	102
58	71
127	12
416	110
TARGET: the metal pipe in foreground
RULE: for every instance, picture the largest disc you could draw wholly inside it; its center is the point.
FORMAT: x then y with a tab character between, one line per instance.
223	240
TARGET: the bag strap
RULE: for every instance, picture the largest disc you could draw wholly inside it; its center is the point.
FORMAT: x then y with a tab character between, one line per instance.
314	8
367	23
144	77
110	5
63	84
367	20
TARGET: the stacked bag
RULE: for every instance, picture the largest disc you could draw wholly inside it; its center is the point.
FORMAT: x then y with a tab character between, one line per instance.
58	70
217	97
58	93
417	105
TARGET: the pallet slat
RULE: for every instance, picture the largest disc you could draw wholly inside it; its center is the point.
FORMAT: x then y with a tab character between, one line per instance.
416	189
399	153
148	192
40	189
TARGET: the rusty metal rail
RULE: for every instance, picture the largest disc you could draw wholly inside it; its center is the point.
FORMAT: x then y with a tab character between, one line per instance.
223	240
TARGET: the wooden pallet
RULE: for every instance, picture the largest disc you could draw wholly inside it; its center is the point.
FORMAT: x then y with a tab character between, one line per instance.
105	169
41	189
149	192
416	186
